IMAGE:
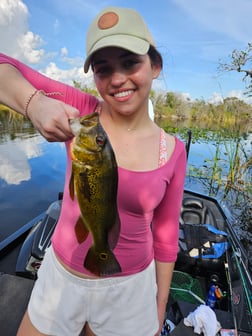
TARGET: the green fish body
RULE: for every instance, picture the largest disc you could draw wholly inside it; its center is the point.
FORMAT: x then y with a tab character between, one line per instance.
94	181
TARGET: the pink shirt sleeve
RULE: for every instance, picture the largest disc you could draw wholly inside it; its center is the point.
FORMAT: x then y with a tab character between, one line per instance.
166	216
84	102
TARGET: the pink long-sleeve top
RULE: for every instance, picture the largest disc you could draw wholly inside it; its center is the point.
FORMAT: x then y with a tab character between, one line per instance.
149	202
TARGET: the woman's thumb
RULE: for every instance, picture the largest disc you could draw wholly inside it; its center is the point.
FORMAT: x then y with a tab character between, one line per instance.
72	112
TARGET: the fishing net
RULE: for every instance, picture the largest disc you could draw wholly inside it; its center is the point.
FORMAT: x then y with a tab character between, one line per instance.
186	288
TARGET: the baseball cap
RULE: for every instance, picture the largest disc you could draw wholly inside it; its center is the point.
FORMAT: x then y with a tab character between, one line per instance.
117	27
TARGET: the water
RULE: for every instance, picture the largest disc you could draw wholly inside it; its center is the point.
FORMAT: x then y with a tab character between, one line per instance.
32	174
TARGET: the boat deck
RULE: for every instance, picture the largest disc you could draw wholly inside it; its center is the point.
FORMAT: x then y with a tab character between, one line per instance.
15	293
15	290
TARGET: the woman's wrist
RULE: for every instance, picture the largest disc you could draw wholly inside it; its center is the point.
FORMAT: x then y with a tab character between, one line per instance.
35	96
29	100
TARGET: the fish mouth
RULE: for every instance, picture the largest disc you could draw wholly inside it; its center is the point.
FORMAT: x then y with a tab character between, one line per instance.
75	125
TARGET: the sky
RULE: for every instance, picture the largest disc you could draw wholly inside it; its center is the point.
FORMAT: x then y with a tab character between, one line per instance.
192	36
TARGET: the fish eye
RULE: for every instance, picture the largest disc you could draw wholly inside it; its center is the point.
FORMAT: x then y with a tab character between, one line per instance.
100	140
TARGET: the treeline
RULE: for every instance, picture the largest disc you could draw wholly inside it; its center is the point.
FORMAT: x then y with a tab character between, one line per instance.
174	106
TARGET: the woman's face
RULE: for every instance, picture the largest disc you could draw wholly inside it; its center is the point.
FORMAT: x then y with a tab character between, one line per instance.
123	79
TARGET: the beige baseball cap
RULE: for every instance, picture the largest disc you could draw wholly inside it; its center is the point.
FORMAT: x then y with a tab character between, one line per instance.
117	27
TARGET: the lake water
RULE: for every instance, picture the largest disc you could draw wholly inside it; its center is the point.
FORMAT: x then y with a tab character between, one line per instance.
32	174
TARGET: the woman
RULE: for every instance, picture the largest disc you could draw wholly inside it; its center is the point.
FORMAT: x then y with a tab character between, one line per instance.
151	170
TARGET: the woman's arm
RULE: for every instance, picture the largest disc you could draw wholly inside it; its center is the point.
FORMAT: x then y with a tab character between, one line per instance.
49	116
163	278
166	229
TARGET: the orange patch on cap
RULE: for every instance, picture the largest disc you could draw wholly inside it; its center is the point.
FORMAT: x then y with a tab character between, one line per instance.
108	20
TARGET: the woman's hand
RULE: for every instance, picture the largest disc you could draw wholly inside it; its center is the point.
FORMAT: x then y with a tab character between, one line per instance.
161	307
164	273
48	115
51	117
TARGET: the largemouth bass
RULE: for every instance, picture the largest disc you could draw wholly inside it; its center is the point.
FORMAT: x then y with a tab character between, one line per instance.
94	182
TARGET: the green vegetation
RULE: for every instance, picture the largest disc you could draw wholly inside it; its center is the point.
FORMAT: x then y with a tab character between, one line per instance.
86	89
171	107
12	124
229	165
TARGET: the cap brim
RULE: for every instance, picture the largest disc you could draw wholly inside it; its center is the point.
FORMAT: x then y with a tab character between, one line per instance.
131	43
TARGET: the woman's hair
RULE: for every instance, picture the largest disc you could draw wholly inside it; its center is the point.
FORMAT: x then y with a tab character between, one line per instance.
155	57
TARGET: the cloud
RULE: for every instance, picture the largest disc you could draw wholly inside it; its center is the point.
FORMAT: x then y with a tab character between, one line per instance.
26	46
240	95
28	43
56	27
67	75
216	98
64	51
230	17
185	96
16	39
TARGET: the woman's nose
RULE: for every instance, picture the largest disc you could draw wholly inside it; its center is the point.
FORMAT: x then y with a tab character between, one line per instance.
118	77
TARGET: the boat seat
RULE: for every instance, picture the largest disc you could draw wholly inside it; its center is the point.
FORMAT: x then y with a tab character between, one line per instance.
194	211
200	242
14	293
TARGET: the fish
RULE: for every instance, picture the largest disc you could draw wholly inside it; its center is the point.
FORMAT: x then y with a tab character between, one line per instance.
94	182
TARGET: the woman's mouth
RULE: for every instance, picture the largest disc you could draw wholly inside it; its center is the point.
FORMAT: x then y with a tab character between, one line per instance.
123	94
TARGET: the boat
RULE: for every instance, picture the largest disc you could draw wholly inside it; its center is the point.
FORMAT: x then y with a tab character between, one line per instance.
210	255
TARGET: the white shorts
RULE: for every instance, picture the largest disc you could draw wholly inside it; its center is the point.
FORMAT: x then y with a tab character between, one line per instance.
61	302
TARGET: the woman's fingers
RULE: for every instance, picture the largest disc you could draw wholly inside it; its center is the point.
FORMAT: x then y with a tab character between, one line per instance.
51	118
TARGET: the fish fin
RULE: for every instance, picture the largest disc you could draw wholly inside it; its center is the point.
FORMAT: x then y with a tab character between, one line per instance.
114	233
71	186
101	263
80	231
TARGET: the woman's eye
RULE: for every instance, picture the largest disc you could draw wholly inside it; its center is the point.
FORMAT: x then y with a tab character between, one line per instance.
130	63
102	70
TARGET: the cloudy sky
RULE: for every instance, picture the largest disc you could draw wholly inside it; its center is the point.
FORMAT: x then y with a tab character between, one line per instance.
192	35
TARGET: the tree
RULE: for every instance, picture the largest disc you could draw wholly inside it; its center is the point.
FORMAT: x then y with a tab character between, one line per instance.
85	88
240	61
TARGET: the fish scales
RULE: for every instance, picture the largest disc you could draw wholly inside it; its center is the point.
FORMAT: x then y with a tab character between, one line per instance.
94	182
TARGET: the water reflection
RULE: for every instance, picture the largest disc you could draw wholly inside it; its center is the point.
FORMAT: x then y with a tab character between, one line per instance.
31	174
15	156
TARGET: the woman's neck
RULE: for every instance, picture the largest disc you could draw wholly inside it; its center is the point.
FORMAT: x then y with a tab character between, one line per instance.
126	122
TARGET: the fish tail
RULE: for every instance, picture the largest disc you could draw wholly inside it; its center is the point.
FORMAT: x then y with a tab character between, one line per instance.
101	263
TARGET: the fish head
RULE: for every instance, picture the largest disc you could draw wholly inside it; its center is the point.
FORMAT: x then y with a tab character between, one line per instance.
90	138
